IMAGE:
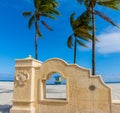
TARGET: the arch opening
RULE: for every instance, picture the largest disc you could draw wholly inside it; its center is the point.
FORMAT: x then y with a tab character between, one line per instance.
55	87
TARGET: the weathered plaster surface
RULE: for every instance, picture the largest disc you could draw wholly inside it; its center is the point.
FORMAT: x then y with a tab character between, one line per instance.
84	93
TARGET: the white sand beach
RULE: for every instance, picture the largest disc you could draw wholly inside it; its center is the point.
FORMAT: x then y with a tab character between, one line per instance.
6	93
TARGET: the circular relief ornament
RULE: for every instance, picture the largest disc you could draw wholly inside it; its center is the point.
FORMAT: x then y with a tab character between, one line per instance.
92	87
22	77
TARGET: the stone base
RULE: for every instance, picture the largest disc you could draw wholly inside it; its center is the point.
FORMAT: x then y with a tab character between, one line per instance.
22	110
116	106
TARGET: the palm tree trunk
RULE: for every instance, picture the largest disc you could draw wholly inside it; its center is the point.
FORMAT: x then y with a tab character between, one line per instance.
36	46
93	43
75	44
36	43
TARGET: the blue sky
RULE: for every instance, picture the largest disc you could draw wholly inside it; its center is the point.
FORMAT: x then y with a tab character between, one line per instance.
17	41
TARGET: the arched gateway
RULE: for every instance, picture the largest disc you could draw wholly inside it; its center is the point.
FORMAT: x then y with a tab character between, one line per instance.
84	93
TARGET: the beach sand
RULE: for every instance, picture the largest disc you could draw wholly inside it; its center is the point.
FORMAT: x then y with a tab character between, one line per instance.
6	93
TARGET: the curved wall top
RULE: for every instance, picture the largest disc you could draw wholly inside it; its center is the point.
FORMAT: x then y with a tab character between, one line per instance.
60	66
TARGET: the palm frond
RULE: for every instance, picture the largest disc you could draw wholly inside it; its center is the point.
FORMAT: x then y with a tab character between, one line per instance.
83	38
26	14
39	34
72	19
113	4
31	21
86	28
85	17
54	3
105	18
48	16
81	43
69	41
82	32
84	35
45	24
45	8
54	11
87	3
83	20
38	30
37	3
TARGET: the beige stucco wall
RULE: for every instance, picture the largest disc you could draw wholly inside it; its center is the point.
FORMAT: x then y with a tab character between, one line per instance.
79	96
85	93
24	96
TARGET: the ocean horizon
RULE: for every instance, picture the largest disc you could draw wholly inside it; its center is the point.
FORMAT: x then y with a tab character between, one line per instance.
116	82
106	79
50	82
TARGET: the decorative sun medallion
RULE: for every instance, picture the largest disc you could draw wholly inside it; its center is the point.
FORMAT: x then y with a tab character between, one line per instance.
92	87
22	77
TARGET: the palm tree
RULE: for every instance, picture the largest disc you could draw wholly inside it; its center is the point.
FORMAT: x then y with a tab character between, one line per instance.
81	31
46	8
91	4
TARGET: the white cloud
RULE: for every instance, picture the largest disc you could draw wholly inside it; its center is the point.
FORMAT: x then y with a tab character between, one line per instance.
109	42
